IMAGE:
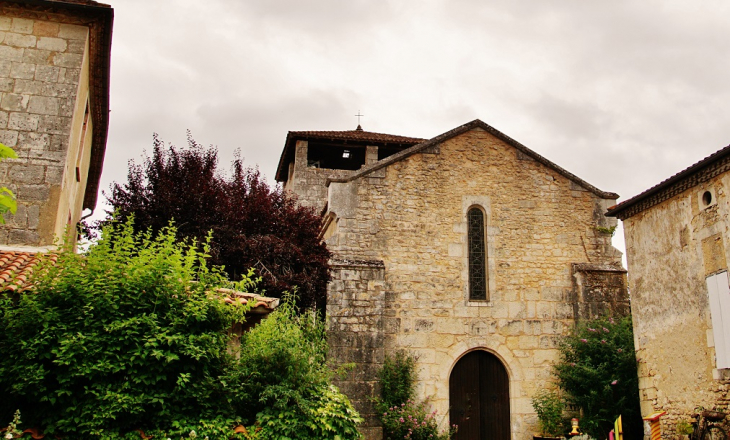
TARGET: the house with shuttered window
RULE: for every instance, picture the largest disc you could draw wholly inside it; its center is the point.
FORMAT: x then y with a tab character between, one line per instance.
468	250
680	299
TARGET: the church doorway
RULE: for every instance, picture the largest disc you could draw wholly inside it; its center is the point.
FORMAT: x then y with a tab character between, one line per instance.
479	397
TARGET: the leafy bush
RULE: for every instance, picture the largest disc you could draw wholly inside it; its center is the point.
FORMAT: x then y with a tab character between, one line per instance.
283	371
254	225
400	415
127	337
130	337
325	414
412	420
549	408
397	378
597	369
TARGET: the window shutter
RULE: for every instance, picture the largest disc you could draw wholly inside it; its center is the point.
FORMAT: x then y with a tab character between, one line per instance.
719	296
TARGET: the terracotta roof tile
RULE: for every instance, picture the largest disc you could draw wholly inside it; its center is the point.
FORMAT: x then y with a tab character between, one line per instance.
16	267
81	2
355	135
261	305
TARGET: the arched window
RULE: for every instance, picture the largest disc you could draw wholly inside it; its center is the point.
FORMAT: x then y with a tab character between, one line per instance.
477	255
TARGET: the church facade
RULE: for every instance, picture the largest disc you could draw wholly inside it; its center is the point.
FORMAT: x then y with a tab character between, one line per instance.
467	250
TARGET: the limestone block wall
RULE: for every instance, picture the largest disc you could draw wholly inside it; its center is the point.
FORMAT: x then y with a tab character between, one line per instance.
357	332
412	217
672	322
42	80
309	183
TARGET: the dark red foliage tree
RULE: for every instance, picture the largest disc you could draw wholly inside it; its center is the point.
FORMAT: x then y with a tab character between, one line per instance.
253	225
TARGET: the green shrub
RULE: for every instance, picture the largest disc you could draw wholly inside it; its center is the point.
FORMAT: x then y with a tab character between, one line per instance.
684	427
129	337
397	379
124	338
412	420
283	370
597	369
400	415
549	408
325	414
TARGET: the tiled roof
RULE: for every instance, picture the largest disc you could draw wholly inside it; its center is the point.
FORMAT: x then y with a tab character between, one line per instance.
16	267
702	171
81	2
357	136
260	305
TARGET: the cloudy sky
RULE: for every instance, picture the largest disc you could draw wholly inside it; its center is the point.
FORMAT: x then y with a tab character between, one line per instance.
621	93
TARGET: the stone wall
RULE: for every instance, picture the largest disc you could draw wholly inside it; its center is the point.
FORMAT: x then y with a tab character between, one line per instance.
412	217
358	330
600	290
310	183
40	76
668	264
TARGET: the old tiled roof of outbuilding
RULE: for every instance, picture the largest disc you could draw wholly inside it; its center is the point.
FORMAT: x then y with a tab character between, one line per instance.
702	171
260	305
16	267
99	18
355	137
433	143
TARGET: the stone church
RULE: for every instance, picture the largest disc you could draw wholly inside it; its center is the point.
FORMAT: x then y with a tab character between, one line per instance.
468	250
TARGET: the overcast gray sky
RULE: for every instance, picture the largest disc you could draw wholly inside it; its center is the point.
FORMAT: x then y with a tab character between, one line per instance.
621	93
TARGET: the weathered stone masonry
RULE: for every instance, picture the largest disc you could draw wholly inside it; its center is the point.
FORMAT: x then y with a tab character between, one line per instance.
53	113
398	231
674	242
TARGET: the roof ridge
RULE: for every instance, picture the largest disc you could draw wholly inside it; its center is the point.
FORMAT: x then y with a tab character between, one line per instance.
476	123
357	132
654	195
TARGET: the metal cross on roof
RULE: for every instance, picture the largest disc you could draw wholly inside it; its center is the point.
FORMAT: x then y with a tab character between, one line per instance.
358	117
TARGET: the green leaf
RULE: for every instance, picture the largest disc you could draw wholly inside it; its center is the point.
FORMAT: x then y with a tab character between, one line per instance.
7	152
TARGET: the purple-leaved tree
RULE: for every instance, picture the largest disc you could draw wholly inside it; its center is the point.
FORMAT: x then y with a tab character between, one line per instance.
253	225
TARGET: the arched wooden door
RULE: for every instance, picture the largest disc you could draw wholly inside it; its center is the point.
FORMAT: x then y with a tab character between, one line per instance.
479	397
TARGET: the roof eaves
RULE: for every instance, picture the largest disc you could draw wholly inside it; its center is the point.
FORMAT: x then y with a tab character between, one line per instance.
336	136
463	129
705	169
282	174
100	47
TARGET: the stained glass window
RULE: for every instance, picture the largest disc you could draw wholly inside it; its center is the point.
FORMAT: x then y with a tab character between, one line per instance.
477	255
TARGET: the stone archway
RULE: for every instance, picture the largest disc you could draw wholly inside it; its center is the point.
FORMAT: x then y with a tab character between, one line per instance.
479	397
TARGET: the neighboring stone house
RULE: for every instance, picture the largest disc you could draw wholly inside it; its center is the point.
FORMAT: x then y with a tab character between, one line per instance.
469	250
54	110
678	276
